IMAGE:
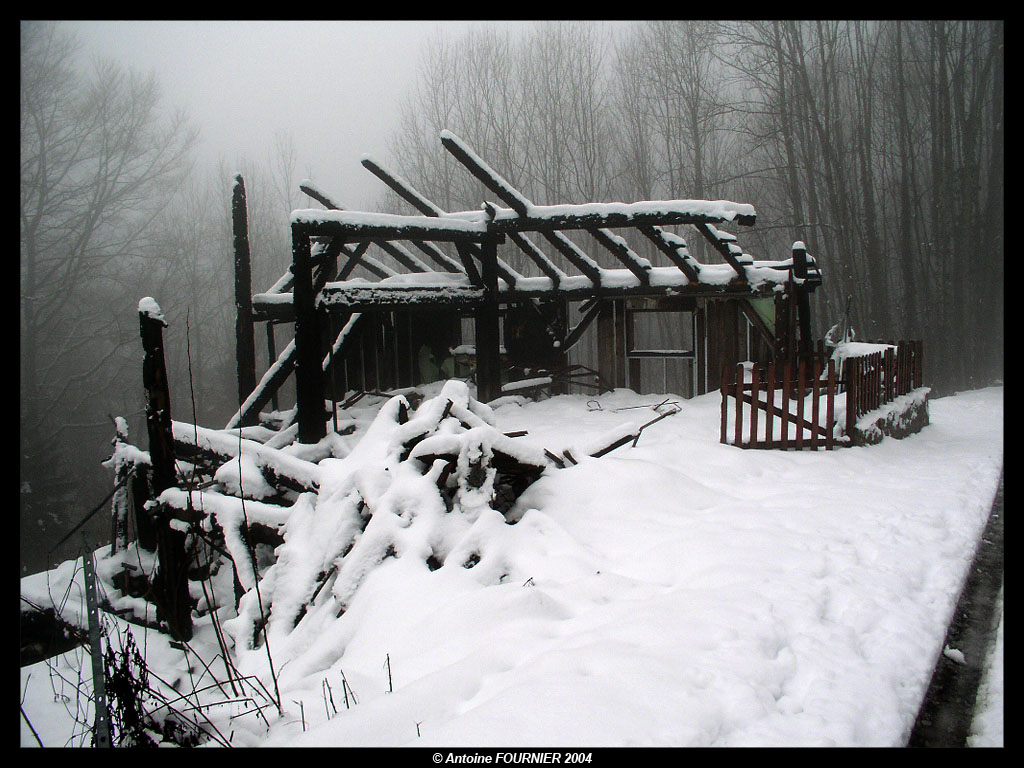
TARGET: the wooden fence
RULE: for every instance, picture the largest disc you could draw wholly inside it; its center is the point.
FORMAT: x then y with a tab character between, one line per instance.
793	401
880	377
798	409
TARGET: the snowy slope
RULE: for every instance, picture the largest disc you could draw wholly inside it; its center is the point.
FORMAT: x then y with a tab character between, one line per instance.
677	593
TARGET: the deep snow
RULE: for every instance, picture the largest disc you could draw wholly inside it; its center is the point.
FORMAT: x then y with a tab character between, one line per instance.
676	593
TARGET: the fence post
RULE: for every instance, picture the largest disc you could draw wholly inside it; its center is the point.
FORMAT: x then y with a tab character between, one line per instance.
769	427
723	438
851	394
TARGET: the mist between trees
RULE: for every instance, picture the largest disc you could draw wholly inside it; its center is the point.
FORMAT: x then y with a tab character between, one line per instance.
879	144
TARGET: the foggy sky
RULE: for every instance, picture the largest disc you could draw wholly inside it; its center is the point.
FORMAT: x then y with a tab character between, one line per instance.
334	86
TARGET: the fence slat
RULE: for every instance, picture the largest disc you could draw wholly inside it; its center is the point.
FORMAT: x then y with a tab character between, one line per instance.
786	369
755	388
815	409
830	406
740	386
801	383
769	427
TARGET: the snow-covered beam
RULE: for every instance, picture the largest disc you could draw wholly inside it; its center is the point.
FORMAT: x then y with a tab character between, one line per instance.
674	247
411	195
378	297
363	225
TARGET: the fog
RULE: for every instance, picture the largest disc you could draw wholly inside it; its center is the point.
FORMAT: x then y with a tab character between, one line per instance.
333	86
877	143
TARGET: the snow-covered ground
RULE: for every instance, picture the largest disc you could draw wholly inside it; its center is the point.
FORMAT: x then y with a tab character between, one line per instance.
675	593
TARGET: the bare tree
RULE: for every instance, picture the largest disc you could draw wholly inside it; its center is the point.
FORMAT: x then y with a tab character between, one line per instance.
97	162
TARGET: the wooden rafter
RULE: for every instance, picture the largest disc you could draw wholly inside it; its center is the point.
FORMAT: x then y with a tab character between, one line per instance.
411	195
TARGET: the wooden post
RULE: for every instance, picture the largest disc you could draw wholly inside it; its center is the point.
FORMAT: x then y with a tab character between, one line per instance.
245	346
170	585
488	333
271	357
309	374
851	365
158	398
632	363
724	437
769	427
802	299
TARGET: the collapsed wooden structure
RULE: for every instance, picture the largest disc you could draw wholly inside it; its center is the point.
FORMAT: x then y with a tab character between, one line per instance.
352	334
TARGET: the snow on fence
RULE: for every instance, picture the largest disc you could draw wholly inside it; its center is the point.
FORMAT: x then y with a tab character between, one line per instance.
877	373
816	402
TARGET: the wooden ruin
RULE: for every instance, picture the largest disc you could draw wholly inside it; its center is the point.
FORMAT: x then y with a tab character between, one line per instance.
353	335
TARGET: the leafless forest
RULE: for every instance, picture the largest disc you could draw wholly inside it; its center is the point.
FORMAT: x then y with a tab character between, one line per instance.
879	144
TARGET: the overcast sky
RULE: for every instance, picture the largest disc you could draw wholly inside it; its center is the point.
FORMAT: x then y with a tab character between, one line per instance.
334	86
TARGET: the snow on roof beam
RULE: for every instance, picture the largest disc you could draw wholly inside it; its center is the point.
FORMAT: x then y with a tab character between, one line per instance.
400	254
411	195
673	250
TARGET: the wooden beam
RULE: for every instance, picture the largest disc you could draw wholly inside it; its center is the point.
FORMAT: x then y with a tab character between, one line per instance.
358	225
245	345
731	253
639	267
658	236
411	195
536	255
576	333
488	331
576	257
309	376
519	203
377	297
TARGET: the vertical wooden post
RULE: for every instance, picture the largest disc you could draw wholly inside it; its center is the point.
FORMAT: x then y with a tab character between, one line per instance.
769	427
309	374
271	357
170	586
802	299
724	437
158	398
488	332
245	346
629	342
851	365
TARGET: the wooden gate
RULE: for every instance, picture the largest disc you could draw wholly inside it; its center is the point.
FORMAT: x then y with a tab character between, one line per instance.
798	405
